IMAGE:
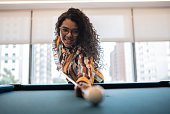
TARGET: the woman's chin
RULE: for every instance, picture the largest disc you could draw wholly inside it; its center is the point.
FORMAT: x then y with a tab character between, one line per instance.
67	45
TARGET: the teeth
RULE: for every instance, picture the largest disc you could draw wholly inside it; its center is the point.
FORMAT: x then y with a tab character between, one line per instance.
68	40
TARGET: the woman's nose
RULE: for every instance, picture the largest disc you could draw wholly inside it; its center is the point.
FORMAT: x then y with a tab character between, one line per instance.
69	34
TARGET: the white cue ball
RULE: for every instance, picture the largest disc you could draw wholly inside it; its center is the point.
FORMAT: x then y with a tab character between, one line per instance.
94	94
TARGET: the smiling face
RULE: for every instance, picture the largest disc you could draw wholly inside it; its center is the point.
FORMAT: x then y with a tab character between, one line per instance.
69	32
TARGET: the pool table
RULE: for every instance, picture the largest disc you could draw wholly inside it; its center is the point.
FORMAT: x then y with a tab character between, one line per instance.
119	98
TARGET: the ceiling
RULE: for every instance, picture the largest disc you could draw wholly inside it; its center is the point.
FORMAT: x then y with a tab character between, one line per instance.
53	4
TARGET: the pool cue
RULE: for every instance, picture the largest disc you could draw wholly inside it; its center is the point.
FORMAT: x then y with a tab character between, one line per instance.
92	94
71	80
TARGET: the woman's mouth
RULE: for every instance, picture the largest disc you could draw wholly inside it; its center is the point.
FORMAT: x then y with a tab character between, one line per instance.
68	41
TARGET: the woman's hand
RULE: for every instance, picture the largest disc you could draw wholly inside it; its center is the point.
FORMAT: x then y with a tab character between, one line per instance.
78	89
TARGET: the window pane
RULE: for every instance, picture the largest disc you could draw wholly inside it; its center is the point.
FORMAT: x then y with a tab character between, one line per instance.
118	62
43	68
14	69
153	61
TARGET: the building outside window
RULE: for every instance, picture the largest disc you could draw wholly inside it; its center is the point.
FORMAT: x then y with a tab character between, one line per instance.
14	67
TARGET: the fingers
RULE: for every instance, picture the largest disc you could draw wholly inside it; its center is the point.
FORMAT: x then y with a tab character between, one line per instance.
79	89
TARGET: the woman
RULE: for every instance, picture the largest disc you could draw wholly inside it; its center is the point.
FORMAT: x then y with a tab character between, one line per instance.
76	49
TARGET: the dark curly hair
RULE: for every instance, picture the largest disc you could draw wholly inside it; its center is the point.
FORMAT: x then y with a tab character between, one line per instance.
88	38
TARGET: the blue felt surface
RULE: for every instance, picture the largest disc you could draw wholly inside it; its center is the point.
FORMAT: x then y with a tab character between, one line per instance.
116	101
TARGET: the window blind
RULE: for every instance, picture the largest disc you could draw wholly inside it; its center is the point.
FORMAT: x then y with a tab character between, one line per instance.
151	24
43	29
15	27
112	24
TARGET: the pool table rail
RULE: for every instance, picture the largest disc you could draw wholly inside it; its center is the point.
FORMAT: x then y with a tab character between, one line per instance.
17	87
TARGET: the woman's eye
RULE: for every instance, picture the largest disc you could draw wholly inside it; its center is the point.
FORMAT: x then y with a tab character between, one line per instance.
65	30
75	31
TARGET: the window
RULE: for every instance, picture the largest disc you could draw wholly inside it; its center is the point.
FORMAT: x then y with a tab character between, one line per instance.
13	61
6	54
117	62
14	46
155	58
13	54
13	69
118	40
6	61
44	69
18	72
